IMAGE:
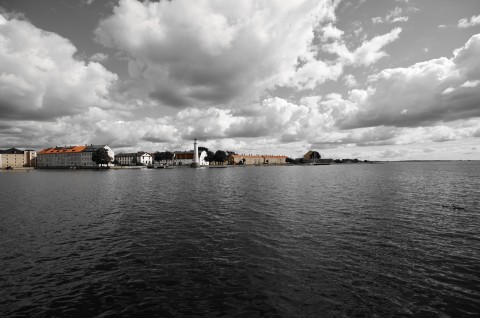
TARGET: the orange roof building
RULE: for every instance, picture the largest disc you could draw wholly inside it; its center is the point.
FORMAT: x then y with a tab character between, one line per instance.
69	156
56	150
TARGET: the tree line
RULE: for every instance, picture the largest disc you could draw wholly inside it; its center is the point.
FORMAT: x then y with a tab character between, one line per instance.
219	156
100	156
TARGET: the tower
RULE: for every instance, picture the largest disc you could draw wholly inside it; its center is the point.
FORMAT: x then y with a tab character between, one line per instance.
195	154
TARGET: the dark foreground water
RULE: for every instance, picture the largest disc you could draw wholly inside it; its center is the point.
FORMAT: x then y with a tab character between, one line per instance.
323	241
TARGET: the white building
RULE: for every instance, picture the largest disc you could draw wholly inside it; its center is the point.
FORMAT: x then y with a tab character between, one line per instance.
135	158
190	158
185	158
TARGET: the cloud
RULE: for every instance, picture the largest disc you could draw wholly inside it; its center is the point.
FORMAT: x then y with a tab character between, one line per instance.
471	84
207	57
465	23
273	118
99	57
86	2
330	32
448	90
367	54
362	137
377	20
393	16
316	72
393	154
350	81
371	51
208	53
41	79
422	94
400	19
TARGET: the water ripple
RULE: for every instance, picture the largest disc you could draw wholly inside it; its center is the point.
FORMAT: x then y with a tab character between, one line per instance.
334	241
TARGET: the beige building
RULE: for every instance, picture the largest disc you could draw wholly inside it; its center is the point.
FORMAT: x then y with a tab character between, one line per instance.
256	160
16	158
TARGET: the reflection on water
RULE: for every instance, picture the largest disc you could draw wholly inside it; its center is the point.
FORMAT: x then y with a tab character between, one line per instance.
339	240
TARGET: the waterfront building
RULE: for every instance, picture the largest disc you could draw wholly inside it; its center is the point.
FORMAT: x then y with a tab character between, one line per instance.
70	156
135	158
16	158
182	158
256	160
191	158
166	162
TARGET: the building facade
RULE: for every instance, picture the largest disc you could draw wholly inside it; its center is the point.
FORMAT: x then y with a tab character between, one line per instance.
16	158
185	158
135	158
70	156
256	160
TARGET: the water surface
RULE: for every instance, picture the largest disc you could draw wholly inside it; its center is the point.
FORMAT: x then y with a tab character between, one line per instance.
357	240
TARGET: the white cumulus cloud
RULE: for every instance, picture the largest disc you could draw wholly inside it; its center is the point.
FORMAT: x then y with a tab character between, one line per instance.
424	93
466	23
212	52
40	77
366	54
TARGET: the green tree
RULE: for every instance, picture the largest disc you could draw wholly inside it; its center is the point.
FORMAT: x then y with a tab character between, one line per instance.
100	156
157	156
315	155
210	154
290	160
220	156
160	156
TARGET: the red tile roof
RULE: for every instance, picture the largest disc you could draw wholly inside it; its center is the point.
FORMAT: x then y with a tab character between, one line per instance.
54	150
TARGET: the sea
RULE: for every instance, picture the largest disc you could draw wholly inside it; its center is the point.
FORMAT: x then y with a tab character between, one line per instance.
396	239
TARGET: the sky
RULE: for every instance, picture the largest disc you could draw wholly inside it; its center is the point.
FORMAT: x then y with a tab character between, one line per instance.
367	79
